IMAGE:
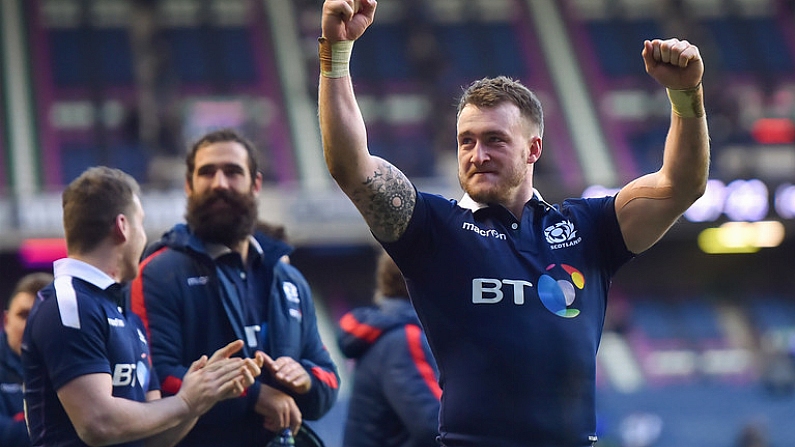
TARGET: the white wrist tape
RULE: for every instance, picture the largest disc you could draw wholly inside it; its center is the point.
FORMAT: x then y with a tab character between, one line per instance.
334	58
687	103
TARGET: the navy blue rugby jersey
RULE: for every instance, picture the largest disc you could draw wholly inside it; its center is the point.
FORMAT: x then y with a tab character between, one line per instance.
513	310
80	327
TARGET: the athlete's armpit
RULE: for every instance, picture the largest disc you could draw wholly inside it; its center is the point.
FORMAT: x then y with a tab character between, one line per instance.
386	201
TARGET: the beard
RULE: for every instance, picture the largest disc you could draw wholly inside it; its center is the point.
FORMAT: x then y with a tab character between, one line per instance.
496	193
222	216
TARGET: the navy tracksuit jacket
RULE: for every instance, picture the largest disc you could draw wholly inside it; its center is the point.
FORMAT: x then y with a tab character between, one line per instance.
189	311
13	432
395	397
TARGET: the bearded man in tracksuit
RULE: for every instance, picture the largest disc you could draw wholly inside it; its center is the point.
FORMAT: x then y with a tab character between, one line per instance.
213	280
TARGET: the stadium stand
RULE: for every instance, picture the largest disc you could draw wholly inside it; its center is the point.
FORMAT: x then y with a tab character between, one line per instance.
210	64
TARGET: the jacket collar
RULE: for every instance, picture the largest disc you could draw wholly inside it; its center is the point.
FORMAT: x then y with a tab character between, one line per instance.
180	237
217	250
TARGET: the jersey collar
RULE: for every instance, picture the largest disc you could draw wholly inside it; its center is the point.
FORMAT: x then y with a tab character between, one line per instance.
469	203
82	270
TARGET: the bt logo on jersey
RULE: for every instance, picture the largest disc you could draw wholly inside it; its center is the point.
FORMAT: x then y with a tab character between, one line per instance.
130	374
489	291
557	295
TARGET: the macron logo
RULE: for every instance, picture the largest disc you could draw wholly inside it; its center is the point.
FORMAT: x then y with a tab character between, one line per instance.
485	233
116	322
198	280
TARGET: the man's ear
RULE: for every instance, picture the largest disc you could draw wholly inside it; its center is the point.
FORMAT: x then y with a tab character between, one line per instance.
256	185
120	228
534	152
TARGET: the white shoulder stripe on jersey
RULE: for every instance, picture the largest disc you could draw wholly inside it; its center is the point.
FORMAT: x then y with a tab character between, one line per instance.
67	302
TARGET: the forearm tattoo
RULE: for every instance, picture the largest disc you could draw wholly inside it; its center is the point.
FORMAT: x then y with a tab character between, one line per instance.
386	201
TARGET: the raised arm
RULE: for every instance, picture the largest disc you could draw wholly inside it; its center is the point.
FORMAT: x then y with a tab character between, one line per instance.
648	206
382	193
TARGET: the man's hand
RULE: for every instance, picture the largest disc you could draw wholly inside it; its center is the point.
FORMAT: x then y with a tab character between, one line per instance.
346	19
233	347
220	377
278	409
675	64
289	373
252	367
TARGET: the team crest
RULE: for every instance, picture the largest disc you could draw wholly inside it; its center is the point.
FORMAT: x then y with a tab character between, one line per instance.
561	235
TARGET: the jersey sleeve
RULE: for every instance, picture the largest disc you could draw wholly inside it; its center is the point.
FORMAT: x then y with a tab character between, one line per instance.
69	335
612	247
420	232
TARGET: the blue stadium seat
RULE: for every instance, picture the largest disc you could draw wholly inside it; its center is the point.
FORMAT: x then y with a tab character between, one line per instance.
770	313
187	55
382	54
699	414
238	64
771	45
213	55
477	50
751	45
131	158
647	146
656	319
116	57
618	44
90	57
733	50
75	158
699	320
67	49
407	147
